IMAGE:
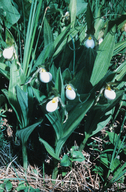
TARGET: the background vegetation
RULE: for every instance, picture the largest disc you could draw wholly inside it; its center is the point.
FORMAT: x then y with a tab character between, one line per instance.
63	94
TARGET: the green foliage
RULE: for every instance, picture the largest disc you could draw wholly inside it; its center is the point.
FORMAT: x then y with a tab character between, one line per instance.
44	40
10	13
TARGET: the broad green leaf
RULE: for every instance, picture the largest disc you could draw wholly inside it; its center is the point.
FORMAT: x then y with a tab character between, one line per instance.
48	37
21	186
114	138
78	113
22	98
12	15
104	158
8	185
24	133
103	57
49	149
77	156
81	82
115	165
66	75
81	7
65	162
102	123
2	187
73	9
55	120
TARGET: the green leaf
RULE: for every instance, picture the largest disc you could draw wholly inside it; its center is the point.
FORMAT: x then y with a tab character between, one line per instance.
113	137
65	162
49	149
24	134
104	158
22	98
103	58
72	9
78	113
8	185
77	156
48	37
62	39
66	75
21	186
55	120
81	7
2	187
90	20
39	96
12	15
5	70
115	164
59	85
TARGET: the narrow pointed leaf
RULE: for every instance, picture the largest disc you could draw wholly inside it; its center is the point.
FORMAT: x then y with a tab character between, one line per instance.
49	149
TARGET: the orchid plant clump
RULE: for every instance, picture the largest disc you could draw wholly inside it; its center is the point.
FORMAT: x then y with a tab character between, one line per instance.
60	75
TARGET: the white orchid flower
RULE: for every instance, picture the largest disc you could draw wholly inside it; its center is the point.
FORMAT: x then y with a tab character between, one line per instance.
44	76
52	105
90	43
70	93
109	93
8	52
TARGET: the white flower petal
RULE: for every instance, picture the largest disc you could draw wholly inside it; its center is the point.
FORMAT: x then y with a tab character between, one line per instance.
45	77
51	106
109	94
89	43
70	94
8	52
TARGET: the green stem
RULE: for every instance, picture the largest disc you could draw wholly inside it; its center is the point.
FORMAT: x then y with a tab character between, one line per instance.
82	145
55	171
24	154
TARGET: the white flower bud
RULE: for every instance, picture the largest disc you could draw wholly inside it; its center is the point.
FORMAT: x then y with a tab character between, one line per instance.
44	76
70	93
109	93
52	105
100	40
89	43
8	52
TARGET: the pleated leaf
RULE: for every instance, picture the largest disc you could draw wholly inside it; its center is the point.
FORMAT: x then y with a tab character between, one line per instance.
48	37
24	134
73	9
103	58
22	98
